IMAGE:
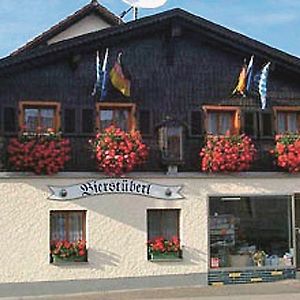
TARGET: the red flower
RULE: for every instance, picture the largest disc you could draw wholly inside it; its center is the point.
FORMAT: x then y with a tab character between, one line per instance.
227	153
41	153
287	152
117	151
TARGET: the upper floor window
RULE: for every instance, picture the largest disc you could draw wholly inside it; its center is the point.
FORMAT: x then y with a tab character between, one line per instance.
39	115
287	119
118	114
220	120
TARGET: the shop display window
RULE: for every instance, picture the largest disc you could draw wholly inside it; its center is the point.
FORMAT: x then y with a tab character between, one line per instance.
250	232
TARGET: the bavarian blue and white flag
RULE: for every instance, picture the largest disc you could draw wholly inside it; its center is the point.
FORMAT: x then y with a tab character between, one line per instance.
249	73
261	79
101	76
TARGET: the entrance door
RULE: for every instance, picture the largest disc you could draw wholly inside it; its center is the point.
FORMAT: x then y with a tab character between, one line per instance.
297	229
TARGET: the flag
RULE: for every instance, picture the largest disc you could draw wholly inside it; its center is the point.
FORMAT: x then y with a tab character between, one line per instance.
261	80
249	73
118	79
241	85
101	75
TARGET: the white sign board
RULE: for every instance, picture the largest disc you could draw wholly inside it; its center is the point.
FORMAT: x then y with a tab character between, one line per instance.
115	186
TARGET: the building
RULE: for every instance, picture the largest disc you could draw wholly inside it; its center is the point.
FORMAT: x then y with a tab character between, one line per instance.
182	70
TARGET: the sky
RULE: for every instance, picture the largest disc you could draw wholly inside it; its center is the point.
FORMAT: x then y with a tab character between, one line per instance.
273	22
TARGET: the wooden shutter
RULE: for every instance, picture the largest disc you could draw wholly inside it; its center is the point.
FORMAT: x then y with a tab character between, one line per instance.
10	119
87	121
195	123
69	120
145	124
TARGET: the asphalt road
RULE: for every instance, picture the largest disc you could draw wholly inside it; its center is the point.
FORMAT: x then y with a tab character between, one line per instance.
283	290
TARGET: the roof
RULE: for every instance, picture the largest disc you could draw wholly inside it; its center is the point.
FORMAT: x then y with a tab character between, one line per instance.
92	7
107	36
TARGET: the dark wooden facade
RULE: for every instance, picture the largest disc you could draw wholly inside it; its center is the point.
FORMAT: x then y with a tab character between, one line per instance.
176	62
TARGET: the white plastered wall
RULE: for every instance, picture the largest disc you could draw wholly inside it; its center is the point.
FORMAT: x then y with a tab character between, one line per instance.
88	24
116	227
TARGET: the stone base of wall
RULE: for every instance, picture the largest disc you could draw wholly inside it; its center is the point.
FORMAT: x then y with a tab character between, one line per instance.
100	285
250	276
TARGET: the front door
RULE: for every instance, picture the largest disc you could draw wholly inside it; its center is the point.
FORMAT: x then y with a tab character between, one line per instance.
297	229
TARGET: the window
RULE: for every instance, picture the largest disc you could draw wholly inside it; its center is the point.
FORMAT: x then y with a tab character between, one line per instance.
67	226
287	119
250	231
163	223
39	114
119	114
222	119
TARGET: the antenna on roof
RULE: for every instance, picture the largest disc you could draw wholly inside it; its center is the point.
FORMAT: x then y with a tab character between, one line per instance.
136	4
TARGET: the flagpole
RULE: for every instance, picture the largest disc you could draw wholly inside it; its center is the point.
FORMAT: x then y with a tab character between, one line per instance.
135	13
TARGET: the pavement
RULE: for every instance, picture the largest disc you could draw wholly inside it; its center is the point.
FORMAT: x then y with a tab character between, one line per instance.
281	290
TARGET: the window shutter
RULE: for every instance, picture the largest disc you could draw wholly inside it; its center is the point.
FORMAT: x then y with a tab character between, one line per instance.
87	121
70	120
145	122
195	123
10	119
266	125
250	123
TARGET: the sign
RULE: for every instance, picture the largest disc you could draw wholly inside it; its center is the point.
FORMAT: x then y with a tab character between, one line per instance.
115	186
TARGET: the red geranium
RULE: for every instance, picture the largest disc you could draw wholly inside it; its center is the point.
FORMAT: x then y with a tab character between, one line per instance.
287	152
65	249
227	153
162	245
42	153
118	151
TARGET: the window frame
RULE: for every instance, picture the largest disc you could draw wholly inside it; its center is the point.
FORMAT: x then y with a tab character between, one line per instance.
286	109
236	118
67	212
131	107
40	105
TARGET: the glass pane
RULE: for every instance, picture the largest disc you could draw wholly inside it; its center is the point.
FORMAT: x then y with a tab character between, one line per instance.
31	116
163	223
58	227
281	122
225	122
292	122
47	118
174	143
106	118
75	226
250	231
121	119
212	123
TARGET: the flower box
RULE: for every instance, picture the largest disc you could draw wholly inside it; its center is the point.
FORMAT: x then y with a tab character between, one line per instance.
64	251
165	255
160	248
58	259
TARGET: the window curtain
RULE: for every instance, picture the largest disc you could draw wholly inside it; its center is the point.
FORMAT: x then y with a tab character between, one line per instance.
31	118
47	118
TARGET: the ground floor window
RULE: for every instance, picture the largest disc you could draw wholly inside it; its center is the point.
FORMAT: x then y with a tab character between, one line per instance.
250	231
68	236
163	234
